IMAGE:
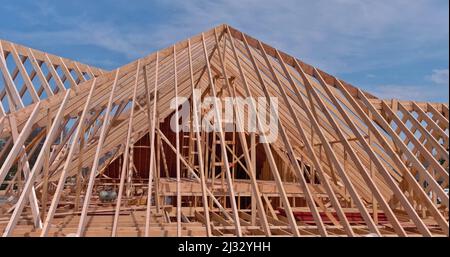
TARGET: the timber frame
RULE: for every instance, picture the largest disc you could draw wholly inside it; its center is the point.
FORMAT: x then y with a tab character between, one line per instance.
345	162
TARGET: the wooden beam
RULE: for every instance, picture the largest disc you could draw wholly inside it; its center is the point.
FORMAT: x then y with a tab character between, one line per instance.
152	124
63	176
316	216
268	151
222	144
92	175
36	168
196	126
18	144
311	152
251	166
125	156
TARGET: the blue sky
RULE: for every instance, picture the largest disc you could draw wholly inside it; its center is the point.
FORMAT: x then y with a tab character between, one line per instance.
396	48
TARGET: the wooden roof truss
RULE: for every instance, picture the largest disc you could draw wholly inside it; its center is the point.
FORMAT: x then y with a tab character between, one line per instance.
341	152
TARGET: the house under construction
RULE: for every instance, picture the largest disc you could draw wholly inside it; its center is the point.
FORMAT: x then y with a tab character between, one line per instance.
89	152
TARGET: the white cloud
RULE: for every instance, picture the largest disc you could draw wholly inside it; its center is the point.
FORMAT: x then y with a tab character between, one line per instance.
408	92
103	35
440	77
338	36
418	92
